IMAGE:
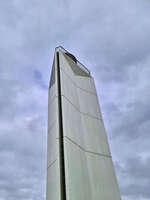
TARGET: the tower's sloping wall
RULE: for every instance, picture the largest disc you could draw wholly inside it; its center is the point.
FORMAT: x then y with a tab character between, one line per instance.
88	168
88	163
53	160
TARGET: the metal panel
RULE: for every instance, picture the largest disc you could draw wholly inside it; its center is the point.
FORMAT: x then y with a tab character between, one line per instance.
95	139
52	151
86	83
53	160
72	122
53	183
52	112
69	89
102	178
84	130
89	176
89	104
77	176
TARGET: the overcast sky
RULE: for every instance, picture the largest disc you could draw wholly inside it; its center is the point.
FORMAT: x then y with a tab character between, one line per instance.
111	38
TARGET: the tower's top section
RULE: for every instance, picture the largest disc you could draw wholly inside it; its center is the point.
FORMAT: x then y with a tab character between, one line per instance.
80	65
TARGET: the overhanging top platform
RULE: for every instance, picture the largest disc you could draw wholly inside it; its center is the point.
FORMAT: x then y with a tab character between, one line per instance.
80	65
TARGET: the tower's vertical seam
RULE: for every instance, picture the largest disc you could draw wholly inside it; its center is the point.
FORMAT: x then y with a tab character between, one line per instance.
61	141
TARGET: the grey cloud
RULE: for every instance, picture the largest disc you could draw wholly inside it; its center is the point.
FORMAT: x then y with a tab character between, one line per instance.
112	39
136	173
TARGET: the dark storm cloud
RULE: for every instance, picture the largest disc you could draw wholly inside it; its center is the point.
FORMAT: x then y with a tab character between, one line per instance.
112	39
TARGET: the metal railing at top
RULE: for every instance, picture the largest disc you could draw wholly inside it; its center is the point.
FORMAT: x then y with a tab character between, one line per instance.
78	63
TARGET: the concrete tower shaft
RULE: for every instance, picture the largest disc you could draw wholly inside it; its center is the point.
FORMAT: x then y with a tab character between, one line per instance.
79	163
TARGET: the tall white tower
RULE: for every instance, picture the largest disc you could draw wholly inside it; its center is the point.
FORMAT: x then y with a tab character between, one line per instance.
79	163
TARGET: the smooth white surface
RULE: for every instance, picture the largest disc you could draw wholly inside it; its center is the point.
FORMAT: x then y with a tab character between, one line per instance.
85	83
72	123
53	183
89	176
52	151
69	90
53	164
89	104
84	130
77	176
52	112
95	138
